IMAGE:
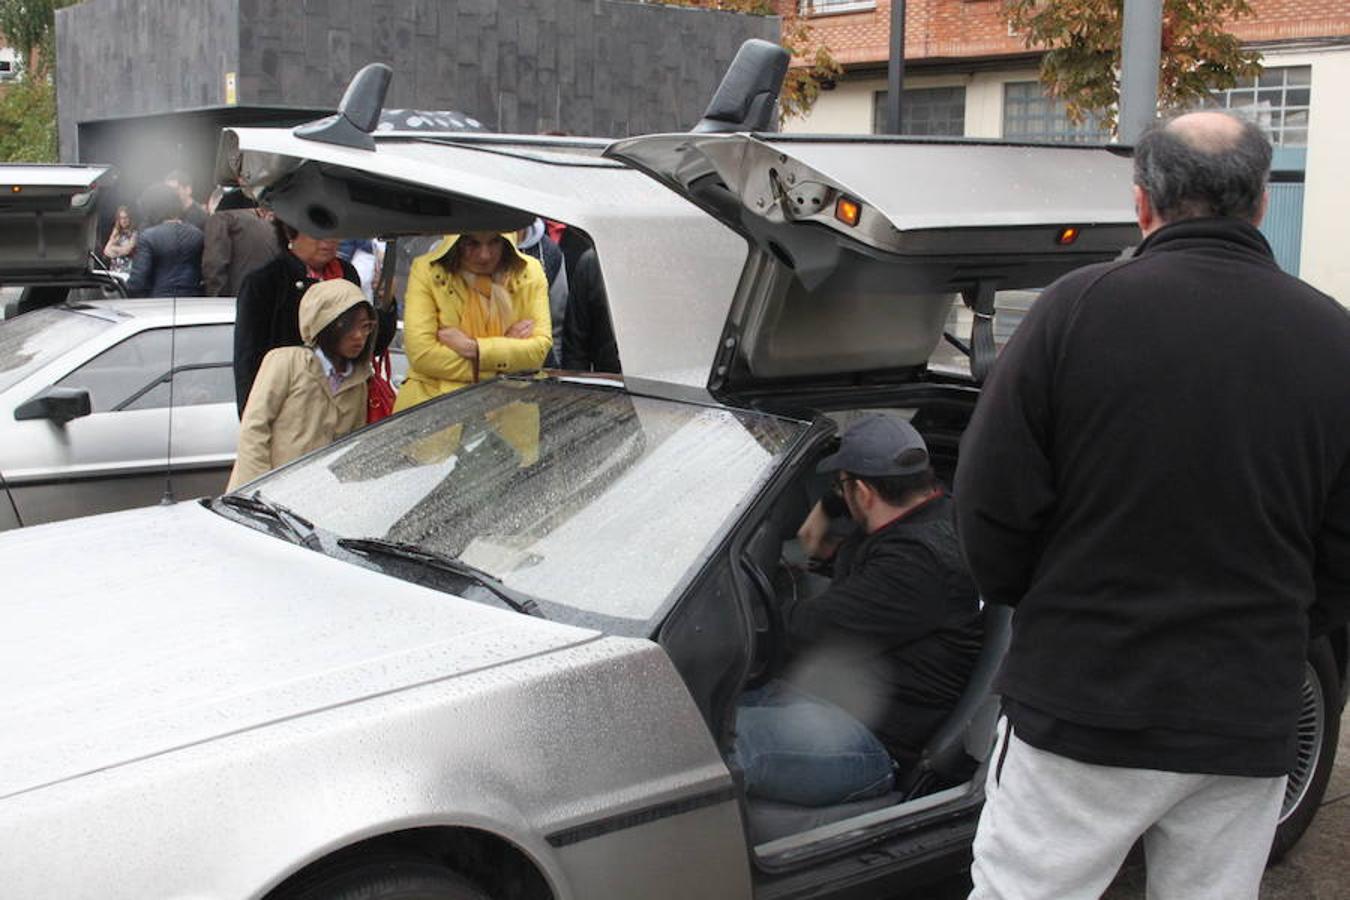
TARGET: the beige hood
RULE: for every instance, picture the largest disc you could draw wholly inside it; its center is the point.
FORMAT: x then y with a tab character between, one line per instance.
323	303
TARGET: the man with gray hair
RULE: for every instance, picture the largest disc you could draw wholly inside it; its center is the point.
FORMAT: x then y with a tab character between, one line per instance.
1157	479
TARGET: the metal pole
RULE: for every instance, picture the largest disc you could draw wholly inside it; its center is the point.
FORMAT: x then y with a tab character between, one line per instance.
895	69
1140	59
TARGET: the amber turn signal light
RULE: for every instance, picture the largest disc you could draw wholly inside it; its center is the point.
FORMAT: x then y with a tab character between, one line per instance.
1067	235
16	189
848	211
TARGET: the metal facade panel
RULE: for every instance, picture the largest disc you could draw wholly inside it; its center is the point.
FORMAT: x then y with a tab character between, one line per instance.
1283	225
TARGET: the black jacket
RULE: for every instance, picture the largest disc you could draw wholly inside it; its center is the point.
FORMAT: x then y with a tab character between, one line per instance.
588	335
894	638
267	315
167	262
1157	476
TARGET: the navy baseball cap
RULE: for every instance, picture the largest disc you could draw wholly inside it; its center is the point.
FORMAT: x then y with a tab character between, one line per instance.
878	447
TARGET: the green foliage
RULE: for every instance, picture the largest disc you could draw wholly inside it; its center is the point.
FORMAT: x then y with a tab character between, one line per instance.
30	25
28	122
802	85
1082	39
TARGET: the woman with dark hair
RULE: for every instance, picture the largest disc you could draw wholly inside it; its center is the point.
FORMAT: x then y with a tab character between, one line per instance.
307	397
476	307
267	308
167	261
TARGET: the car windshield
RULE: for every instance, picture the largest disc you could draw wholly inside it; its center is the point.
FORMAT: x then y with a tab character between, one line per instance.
595	502
30	341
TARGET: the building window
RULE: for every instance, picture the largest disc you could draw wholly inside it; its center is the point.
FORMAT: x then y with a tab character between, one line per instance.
1277	100
925	111
1029	114
826	7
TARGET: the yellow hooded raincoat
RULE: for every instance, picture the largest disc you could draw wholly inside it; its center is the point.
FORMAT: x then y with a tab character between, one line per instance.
439	299
291	409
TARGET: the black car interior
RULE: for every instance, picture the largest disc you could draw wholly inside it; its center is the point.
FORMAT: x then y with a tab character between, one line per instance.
771	561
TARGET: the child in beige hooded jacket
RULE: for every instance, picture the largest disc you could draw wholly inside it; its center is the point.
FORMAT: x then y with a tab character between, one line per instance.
307	397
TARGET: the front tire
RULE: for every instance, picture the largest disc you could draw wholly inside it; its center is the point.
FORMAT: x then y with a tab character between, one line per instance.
390	880
1319	727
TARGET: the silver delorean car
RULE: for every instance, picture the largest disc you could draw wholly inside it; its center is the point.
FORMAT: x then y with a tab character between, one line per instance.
491	646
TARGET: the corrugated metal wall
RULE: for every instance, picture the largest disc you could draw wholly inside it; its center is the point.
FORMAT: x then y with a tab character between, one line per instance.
1283	225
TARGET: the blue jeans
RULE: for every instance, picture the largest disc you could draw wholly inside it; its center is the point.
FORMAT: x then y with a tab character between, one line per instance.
796	749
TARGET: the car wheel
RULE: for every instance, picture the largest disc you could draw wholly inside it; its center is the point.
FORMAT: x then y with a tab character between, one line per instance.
1319	726
390	880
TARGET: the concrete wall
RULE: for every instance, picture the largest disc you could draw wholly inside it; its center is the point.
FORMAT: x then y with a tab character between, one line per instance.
137	57
1324	261
599	67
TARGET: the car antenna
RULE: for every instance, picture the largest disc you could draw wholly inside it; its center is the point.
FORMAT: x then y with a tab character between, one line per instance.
167	499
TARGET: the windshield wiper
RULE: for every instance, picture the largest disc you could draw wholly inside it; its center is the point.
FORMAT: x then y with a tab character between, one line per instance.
518	601
299	528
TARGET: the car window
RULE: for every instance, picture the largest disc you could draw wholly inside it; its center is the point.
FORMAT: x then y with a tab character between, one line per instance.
598	503
191	387
124	370
30	341
1009	309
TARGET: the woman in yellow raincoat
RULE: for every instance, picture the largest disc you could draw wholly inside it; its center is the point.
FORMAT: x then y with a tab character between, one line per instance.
475	307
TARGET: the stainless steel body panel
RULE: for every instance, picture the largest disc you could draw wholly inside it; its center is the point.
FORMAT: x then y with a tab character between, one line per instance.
116	459
257	706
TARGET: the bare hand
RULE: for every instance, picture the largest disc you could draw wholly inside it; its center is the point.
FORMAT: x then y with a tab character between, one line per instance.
521	330
814	534
459	342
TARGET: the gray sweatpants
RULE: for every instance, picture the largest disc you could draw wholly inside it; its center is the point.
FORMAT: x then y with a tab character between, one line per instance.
1057	829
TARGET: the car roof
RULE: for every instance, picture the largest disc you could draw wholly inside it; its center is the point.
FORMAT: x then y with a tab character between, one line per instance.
161	310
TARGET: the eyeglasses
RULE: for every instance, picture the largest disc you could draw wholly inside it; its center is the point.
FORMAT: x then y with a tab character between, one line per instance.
838	485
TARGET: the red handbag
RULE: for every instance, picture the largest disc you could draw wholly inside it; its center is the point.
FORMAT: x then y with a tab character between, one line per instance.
379	391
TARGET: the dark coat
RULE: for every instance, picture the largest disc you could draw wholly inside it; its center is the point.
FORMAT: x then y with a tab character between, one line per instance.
894	638
588	333
167	262
1157	477
267	315
237	242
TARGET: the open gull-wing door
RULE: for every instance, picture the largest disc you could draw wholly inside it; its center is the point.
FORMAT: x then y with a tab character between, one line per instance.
49	222
860	246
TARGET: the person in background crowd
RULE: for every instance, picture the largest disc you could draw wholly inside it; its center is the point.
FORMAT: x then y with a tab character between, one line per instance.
268	305
476	307
1157	479
571	242
239	239
534	242
366	256
190	210
167	261
307	397
121	242
588	342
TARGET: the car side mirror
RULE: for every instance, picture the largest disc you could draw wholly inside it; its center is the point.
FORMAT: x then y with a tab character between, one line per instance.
749	90
59	404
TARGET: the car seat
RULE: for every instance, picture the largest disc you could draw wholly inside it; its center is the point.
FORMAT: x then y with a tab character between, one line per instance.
966	738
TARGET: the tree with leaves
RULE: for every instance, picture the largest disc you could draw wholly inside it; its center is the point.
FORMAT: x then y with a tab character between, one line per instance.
28	107
803	84
1082	43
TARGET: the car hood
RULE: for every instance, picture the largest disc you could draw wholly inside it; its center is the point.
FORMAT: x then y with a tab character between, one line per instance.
132	634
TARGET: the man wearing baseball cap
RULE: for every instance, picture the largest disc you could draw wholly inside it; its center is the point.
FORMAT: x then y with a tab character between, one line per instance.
877	660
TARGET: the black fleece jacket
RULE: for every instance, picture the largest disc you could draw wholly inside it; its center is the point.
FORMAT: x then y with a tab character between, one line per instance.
1156	477
894	638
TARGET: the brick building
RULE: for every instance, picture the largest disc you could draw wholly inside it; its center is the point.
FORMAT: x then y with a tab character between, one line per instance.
968	74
